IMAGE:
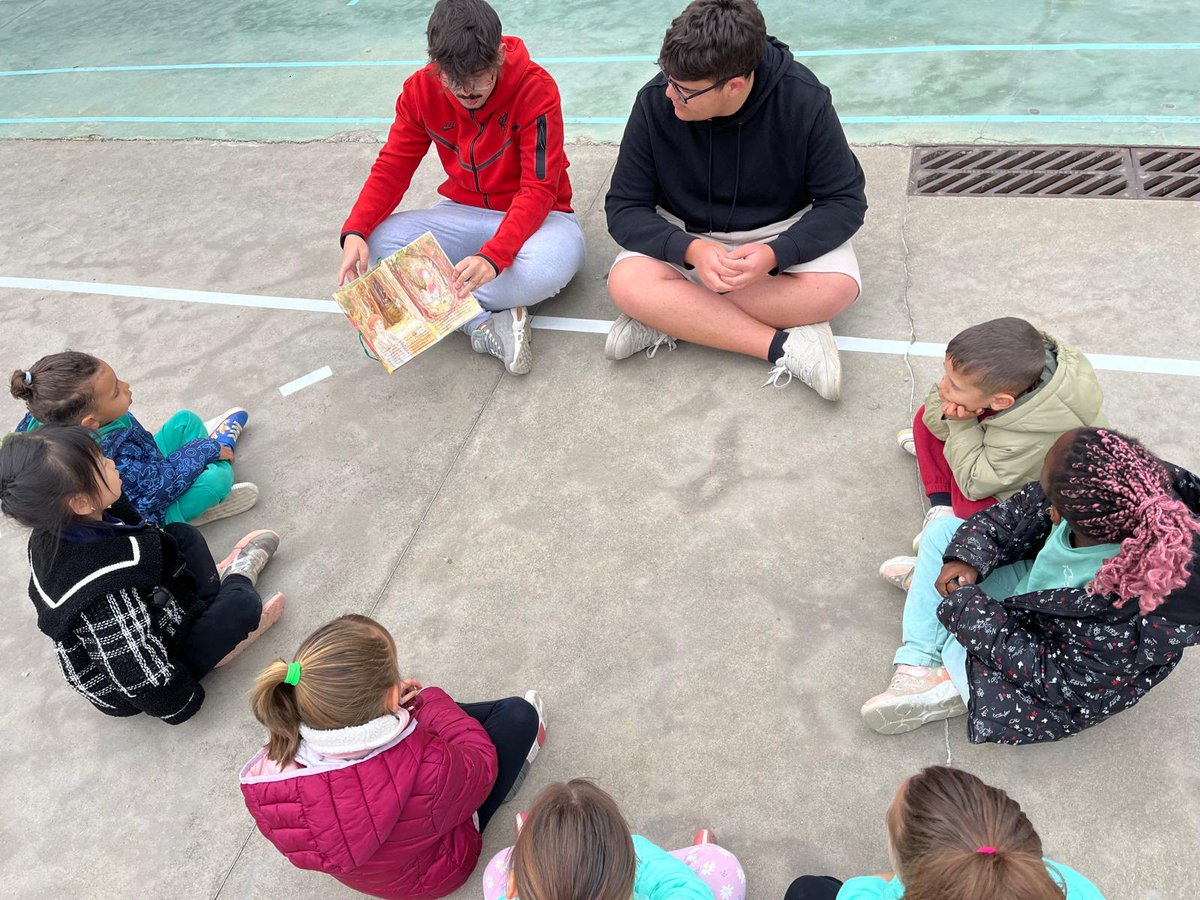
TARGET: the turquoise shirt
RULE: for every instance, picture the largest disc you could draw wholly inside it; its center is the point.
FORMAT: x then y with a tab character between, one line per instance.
660	876
868	887
1059	565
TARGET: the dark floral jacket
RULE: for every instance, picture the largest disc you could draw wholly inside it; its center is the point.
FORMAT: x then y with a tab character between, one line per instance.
1048	664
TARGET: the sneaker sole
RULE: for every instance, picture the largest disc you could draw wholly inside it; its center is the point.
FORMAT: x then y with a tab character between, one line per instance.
523	362
239	547
910	714
829	346
273	608
241	498
212	424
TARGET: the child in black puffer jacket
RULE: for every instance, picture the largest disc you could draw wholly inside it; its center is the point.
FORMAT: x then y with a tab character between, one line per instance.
1057	608
138	614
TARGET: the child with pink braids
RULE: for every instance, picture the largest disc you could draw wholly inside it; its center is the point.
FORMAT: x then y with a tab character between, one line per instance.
1056	608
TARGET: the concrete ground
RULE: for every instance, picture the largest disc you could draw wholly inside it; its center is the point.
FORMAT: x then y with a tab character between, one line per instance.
682	563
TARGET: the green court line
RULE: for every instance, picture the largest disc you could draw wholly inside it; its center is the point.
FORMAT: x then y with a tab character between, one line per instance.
597	120
570	60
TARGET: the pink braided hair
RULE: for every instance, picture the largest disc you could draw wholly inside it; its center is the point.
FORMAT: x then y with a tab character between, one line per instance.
1111	488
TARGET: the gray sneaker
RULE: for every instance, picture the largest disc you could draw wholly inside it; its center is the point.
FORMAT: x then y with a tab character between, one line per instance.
629	336
506	336
250	556
811	355
242	496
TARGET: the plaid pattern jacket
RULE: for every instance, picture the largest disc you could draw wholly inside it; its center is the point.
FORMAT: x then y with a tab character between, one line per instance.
116	655
114	632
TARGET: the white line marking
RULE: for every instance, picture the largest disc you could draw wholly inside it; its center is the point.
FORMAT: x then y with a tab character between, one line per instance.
306	380
584	326
1107	362
161	293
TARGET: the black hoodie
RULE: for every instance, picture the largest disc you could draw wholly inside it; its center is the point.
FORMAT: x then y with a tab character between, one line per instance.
783	150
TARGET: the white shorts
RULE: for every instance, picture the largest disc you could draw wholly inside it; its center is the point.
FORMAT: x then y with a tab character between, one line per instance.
840	259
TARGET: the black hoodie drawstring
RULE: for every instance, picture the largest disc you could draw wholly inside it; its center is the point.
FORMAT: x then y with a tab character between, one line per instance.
710	154
737	177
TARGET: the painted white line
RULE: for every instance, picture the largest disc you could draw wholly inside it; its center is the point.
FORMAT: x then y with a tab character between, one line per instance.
306	380
162	293
1107	362
583	326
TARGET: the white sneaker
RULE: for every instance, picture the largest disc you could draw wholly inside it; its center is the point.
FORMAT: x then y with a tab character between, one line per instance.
898	571
242	496
907	441
915	696
534	699
810	354
629	336
934	512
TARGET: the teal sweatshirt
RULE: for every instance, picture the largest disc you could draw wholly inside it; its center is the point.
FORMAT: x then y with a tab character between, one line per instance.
868	887
1059	565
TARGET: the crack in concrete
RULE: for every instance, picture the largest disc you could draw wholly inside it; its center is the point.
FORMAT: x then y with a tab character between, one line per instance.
912	333
23	12
233	865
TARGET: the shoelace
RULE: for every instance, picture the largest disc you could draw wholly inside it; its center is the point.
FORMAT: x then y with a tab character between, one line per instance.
665	339
777	373
495	348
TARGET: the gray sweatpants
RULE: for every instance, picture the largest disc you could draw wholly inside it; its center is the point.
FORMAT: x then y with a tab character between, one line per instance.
542	267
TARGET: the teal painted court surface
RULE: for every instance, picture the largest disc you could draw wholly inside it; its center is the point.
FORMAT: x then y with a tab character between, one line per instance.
902	71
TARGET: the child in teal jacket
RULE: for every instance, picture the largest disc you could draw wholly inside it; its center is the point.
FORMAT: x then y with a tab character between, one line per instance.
951	835
575	843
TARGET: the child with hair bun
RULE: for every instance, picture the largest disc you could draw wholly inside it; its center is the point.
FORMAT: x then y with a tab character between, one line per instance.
574	844
1056	608
382	783
952	837
181	473
138	614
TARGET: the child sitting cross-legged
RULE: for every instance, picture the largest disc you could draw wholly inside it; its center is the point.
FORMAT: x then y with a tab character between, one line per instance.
1007	393
952	837
181	473
382	783
1056	608
574	844
138	614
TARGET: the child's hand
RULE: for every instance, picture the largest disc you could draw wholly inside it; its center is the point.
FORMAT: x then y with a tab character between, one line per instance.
226	454
954	411
955	575
409	688
471	274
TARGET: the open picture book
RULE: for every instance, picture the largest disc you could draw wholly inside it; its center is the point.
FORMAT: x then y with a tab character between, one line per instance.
406	303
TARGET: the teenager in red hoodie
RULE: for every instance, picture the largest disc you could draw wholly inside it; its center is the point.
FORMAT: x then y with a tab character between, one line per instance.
496	120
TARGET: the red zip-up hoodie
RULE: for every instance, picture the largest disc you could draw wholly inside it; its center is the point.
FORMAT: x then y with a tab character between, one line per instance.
507	155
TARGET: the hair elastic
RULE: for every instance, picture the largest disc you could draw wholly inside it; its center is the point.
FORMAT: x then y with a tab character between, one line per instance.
28	377
293	674
988	850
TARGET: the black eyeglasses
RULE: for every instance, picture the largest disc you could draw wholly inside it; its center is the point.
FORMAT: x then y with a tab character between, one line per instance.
686	95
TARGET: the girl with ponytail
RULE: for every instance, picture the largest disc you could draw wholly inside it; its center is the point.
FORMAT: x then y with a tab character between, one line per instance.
1057	608
374	779
952	837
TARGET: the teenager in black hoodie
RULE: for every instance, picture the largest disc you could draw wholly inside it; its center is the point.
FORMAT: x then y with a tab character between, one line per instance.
735	196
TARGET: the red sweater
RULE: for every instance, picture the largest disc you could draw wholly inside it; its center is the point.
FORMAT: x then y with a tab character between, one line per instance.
507	155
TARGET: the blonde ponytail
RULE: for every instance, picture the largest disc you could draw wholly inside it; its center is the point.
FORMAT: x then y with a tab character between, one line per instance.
343	675
274	705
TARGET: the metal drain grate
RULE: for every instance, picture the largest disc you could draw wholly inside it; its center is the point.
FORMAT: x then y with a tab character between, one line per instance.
1167	173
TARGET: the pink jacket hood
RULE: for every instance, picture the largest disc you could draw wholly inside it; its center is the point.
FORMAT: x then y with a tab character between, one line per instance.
397	823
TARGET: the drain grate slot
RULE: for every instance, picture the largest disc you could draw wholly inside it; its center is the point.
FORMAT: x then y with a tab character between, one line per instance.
1162	173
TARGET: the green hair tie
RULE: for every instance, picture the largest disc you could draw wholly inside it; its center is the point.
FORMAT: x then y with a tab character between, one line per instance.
293	674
